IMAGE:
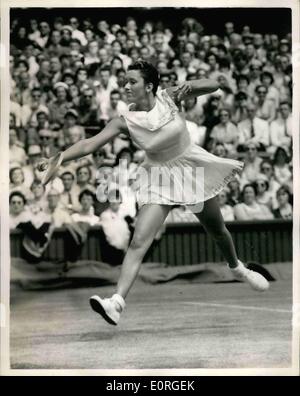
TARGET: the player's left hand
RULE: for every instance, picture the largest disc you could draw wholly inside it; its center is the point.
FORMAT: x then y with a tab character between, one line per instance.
182	90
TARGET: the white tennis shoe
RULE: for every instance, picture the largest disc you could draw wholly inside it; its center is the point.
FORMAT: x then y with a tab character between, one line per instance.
254	279
109	308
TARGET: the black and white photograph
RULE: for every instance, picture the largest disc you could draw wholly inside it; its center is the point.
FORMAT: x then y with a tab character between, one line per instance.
149	192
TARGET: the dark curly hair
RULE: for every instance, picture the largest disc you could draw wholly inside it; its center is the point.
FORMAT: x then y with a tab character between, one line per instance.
148	72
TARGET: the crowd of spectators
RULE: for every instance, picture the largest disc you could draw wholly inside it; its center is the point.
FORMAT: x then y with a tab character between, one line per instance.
67	82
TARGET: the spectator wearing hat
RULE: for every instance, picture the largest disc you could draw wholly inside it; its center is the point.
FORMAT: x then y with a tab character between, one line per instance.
252	163
265	108
284	207
281	129
59	107
70	129
86	213
17	180
268	81
69	198
253	129
18	212
225	132
47	143
66	36
16	152
250	209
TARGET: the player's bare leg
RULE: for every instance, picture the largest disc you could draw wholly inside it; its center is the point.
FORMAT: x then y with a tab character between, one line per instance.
212	220
150	219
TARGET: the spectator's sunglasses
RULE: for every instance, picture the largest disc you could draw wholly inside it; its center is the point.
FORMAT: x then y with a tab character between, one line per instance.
98	154
250	149
261	91
45	137
266	168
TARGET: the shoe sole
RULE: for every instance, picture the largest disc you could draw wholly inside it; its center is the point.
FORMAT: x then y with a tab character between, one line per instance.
97	307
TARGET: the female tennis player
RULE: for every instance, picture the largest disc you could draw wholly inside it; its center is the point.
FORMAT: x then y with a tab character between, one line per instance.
156	124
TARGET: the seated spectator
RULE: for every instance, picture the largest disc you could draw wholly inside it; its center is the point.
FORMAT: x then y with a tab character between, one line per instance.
69	198
60	105
225	132
242	83
125	168
111	220
70	130
86	214
91	56
253	129
240	112
29	110
282	170
285	209
17	210
59	216
220	150
83	179
226	210
249	209
252	163
88	109
265	108
281	129
48	149
234	193
16	151
263	196
116	105
267	80
42	120
17	181
226	92
38	202
267	168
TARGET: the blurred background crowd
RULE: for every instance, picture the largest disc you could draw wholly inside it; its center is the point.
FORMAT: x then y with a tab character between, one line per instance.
67	81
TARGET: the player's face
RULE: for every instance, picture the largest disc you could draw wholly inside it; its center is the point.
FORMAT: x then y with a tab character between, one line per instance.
134	86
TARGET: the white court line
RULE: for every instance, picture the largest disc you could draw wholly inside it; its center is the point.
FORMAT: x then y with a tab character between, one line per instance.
238	307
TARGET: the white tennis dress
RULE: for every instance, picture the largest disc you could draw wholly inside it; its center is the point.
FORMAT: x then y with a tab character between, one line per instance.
175	171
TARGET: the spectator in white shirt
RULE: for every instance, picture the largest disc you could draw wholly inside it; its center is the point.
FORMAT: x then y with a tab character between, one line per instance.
266	108
267	80
281	129
252	164
77	34
253	129
282	170
116	105
69	198
16	152
86	214
59	215
225	132
250	209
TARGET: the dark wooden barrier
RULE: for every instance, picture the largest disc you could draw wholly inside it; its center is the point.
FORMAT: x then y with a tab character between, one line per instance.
184	244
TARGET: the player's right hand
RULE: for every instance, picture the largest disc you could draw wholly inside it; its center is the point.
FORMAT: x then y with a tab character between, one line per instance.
43	164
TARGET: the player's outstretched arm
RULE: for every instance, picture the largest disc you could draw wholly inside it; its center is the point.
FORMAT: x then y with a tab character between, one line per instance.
191	89
87	146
